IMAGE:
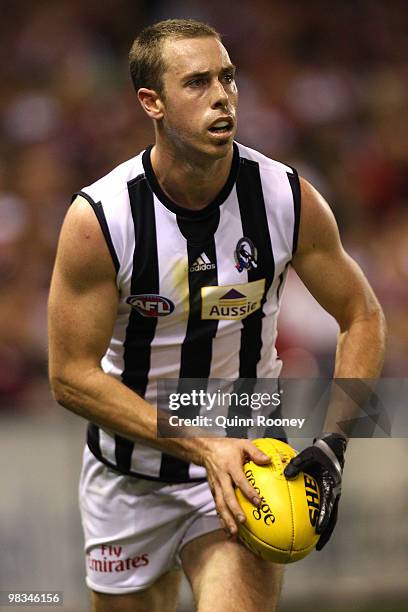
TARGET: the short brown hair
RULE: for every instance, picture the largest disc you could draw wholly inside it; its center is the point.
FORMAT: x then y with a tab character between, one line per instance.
145	57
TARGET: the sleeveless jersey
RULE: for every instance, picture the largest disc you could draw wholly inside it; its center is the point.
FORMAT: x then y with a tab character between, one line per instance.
199	291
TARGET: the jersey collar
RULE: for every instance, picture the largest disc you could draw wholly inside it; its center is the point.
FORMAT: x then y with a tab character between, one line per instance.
180	210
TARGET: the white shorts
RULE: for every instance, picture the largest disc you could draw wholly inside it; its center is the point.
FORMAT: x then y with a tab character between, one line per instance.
135	529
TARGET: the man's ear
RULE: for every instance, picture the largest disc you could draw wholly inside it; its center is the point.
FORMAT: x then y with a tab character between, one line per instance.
151	103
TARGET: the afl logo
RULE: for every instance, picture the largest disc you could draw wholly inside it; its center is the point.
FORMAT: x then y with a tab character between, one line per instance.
151	304
245	255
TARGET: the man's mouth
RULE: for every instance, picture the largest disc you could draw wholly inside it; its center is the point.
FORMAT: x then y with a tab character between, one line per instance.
221	126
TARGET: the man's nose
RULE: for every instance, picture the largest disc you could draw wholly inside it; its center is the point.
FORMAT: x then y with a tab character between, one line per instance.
219	95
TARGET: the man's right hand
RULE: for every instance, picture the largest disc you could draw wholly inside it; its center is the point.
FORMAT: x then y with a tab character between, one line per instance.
223	459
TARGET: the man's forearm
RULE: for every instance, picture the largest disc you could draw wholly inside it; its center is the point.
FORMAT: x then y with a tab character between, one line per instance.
359	355
107	402
360	349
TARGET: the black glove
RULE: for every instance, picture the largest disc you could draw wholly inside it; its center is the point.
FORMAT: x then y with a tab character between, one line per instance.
324	461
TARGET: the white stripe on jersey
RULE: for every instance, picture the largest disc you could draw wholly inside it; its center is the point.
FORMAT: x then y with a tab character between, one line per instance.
225	364
173	274
107	444
279	204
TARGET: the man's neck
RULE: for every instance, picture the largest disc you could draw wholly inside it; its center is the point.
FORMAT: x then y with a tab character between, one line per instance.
190	184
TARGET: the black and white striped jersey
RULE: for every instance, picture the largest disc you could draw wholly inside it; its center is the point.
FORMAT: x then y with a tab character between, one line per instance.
199	291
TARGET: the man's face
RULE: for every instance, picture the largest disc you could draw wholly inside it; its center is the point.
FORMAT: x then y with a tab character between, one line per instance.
200	95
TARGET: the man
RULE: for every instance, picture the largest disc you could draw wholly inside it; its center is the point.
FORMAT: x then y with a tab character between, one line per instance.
145	254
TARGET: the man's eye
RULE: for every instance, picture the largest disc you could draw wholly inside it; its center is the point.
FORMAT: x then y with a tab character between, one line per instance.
229	78
196	83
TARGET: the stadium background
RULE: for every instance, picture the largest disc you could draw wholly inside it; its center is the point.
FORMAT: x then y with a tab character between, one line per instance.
324	88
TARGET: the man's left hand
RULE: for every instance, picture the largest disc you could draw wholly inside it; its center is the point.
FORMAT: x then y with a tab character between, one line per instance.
324	460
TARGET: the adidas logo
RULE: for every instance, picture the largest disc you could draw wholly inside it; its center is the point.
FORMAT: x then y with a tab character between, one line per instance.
202	263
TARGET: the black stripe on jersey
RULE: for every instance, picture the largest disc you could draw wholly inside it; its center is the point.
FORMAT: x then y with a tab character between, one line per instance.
123	452
196	350
93	440
276	431
255	226
100	215
295	187
145	279
199	231
281	279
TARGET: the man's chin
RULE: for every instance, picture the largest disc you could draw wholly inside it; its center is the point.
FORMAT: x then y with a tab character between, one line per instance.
221	139
219	147
206	149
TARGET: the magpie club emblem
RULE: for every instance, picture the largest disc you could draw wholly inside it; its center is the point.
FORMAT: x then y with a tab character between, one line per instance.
245	255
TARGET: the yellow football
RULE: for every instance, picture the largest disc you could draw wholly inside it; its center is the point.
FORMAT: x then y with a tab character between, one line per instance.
282	528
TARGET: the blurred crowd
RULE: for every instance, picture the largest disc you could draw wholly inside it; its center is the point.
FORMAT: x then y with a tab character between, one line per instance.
321	88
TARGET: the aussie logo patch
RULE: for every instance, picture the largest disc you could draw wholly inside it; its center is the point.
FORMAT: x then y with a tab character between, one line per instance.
245	255
233	302
151	304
